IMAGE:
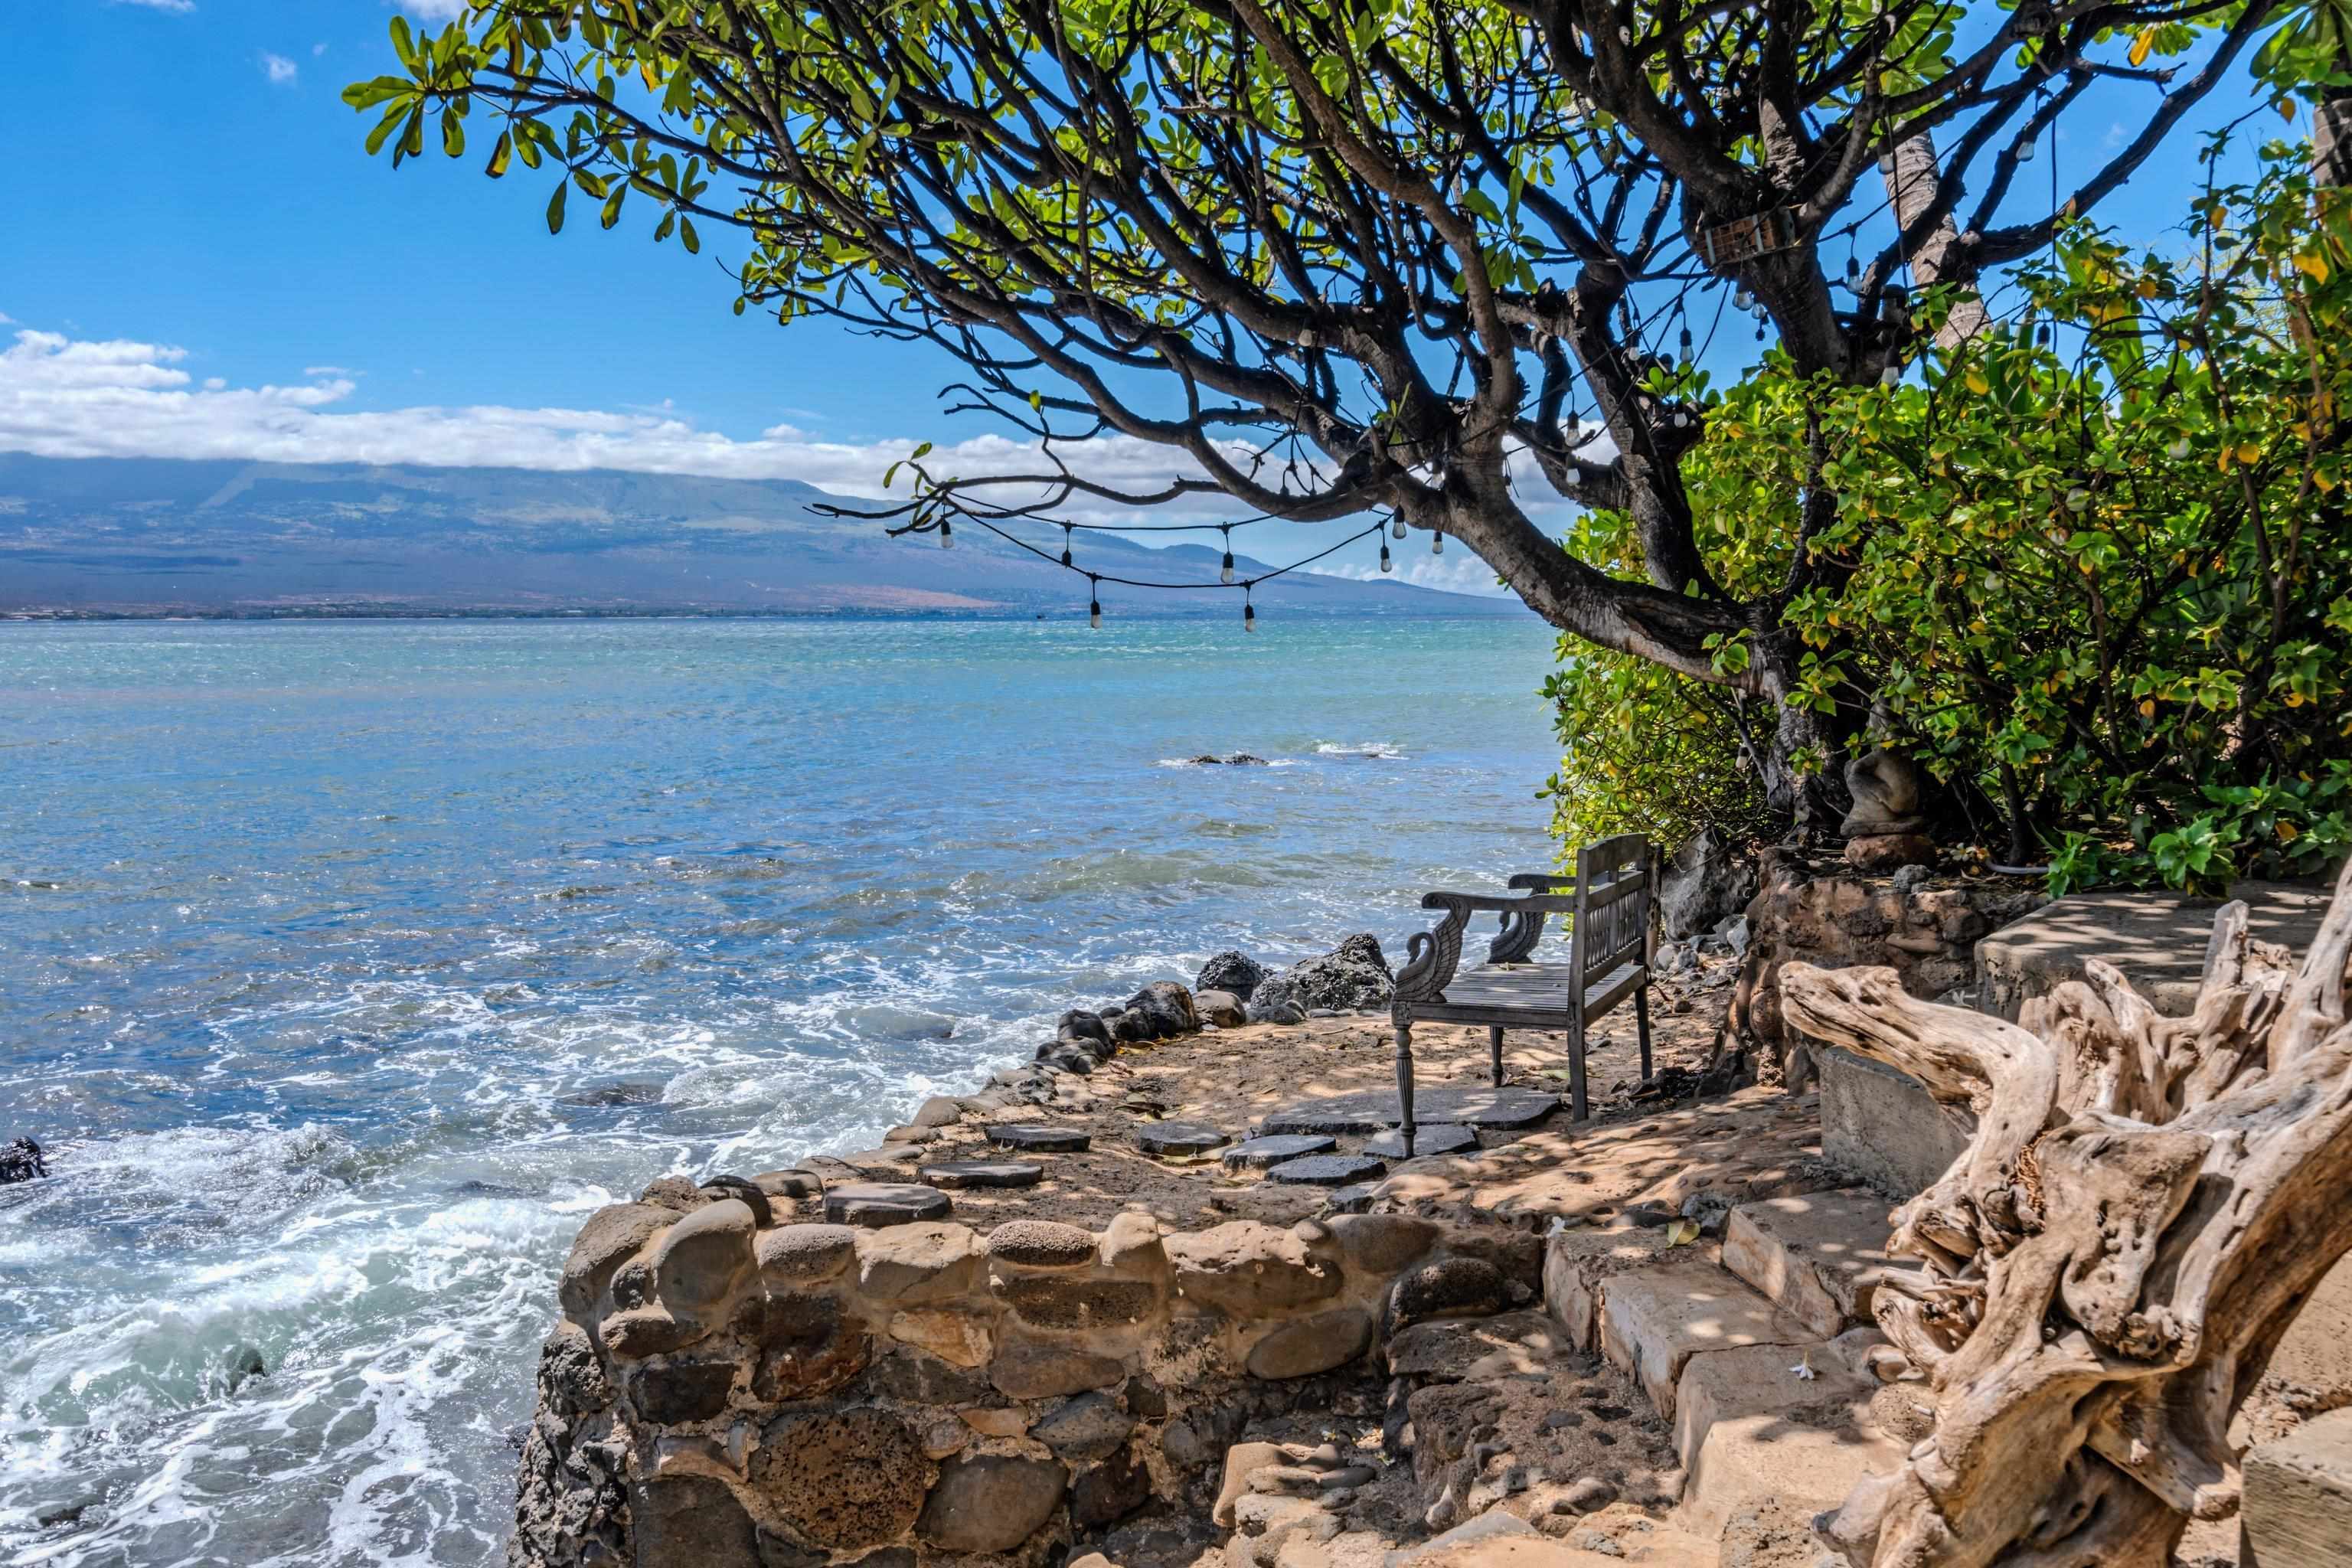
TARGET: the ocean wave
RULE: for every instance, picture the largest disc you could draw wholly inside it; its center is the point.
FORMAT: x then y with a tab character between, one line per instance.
1382	750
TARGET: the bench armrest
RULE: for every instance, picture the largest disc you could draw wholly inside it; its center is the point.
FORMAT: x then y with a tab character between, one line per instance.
1546	882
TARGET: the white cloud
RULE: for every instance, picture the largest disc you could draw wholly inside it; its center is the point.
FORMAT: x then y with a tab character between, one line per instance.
318	49
431	10
281	70
65	397
1456	572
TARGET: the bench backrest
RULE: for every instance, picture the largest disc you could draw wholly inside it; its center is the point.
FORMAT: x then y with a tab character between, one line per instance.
1614	886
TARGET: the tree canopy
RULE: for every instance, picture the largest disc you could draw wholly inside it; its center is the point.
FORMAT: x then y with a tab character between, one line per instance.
1436	259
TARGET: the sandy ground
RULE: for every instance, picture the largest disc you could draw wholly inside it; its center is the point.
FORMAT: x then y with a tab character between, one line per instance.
1636	1144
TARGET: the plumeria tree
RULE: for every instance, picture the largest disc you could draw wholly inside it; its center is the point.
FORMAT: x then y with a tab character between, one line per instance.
1454	262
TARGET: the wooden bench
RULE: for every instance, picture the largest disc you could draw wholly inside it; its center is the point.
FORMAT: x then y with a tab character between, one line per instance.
1610	901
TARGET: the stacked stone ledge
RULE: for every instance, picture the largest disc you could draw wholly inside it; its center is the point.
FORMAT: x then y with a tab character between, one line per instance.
732	1393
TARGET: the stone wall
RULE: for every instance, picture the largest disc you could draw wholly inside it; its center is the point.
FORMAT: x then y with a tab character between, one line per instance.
731	1386
1924	927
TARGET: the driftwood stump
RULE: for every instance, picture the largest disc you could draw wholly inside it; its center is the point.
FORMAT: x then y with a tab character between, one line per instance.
2104	1274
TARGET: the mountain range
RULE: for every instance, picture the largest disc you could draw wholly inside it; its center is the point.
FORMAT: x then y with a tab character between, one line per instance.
171	536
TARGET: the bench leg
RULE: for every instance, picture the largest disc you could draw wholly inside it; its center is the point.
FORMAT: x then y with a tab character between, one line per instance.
1495	1047
1579	1107
1642	1028
1404	1082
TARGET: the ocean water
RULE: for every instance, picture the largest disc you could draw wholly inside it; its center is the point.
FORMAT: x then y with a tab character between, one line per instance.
344	967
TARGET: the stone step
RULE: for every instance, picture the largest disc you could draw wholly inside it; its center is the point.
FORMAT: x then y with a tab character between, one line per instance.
1767	1447
1809	1256
1654	1319
1499	1540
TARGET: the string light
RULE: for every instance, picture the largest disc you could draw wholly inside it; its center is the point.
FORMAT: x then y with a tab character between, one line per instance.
1436	543
947	535
1396	528
1249	611
1386	565
1743	300
1066	545
1094	601
1225	571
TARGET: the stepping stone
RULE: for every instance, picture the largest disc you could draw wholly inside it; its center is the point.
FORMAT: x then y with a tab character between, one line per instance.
1264	1153
1655	1320
1446	1138
1328	1169
1177	1138
960	1174
1813	1257
879	1205
1508	1108
1038	1138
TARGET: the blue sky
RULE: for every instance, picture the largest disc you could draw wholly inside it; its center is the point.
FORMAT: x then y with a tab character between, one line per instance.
192	217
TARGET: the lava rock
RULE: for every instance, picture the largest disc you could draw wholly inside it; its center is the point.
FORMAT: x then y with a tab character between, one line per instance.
1231	971
1352	977
990	1502
1163	1008
1077	1023
1265	1153
1177	1138
875	1204
692	1518
1038	1138
1328	1169
1446	1138
1708	882
1223	1008
958	1175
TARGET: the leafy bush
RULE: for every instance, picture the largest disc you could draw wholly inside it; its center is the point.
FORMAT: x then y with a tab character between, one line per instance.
2101	577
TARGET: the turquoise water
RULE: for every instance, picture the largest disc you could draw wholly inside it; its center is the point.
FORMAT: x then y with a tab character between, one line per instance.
315	937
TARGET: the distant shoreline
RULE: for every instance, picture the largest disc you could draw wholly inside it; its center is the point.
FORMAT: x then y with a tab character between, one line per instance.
1503	608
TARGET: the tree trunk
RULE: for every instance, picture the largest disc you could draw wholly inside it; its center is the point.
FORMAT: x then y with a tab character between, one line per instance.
2105	1271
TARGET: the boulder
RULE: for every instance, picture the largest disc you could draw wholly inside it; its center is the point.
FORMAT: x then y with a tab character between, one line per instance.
805	1254
1043	1371
1873	853
1352	977
21	1161
1310	1345
611	1237
915	1265
1041	1244
1454	1287
1246	1269
990	1502
675	1193
841	1478
938	1111
1077	1023
1090	1427
1229	972
701	1260
1707	882
692	1518
1224	1008
1107	1493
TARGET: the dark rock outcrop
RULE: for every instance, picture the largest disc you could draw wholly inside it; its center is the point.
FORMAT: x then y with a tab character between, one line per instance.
1352	977
1230	971
21	1161
1707	882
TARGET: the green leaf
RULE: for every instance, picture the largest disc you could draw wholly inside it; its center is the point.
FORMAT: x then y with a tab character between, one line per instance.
498	156
453	135
555	207
687	237
612	213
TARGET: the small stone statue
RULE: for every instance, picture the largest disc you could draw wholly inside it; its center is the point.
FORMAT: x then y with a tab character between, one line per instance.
1885	829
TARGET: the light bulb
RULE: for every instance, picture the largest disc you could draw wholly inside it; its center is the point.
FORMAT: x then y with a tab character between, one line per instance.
1743	300
2078	499
1890	376
1625	35
1436	543
2025	146
1249	617
1386	565
1226	573
1094	613
1397	528
947	535
2179	448
1682	420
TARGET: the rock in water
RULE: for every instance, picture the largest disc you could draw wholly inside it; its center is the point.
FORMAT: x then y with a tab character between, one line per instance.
1231	971
21	1161
242	1365
1352	977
